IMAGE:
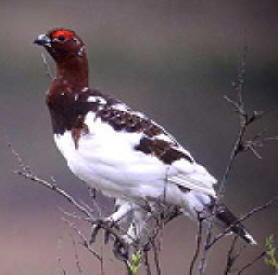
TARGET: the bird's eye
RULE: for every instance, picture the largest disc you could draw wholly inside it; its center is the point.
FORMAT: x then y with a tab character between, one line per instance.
61	38
62	35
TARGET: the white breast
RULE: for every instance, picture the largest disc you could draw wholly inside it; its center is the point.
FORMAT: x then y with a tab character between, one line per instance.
106	159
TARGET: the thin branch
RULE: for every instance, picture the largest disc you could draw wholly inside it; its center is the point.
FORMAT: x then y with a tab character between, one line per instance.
74	215
239	146
156	257
236	149
260	256
59	259
76	256
119	245
243	118
207	241
198	246
274	138
26	172
231	257
56	189
83	239
146	262
102	261
19	160
163	217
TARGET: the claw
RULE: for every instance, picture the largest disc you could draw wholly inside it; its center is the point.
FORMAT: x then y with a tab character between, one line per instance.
110	222
128	239
95	229
120	250
106	237
147	247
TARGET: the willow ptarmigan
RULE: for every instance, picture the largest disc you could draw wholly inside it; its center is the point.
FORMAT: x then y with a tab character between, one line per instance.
119	151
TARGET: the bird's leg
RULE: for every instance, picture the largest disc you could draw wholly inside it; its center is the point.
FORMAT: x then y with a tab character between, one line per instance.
95	229
123	208
122	245
121	250
137	225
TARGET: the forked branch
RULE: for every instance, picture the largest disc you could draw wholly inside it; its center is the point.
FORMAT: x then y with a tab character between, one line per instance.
240	145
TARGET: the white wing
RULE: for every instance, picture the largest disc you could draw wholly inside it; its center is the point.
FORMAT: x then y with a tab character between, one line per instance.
193	176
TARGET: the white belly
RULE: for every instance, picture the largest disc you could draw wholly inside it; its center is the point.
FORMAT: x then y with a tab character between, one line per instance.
107	160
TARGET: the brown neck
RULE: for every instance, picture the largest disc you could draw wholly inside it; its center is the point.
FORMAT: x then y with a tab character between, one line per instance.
74	70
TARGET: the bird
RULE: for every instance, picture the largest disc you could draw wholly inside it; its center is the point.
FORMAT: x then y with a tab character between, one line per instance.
120	151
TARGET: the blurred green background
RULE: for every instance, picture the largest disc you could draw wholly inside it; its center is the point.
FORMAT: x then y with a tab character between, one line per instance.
174	60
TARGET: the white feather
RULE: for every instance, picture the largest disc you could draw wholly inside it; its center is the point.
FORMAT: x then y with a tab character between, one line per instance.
106	160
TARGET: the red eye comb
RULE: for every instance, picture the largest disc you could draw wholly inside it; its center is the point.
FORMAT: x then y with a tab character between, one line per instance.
67	34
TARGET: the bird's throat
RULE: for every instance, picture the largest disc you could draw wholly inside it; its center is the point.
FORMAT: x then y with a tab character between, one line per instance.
74	71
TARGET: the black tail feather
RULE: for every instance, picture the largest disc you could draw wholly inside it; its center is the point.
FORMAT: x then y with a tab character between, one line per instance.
228	218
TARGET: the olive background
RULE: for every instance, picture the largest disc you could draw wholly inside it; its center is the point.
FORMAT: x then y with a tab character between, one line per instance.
173	60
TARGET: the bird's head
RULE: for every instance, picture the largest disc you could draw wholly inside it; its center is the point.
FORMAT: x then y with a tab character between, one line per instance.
68	51
62	44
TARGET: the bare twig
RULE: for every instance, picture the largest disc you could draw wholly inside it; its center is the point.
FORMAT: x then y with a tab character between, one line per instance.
59	259
76	256
260	256
240	145
102	261
156	257
203	260
146	262
74	215
19	160
26	172
231	256
83	239
198	246
162	216
243	118
58	190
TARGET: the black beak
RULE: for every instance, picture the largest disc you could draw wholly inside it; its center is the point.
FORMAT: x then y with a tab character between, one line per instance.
43	40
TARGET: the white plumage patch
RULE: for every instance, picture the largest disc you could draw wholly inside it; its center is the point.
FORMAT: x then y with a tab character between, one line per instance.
120	107
106	160
97	99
